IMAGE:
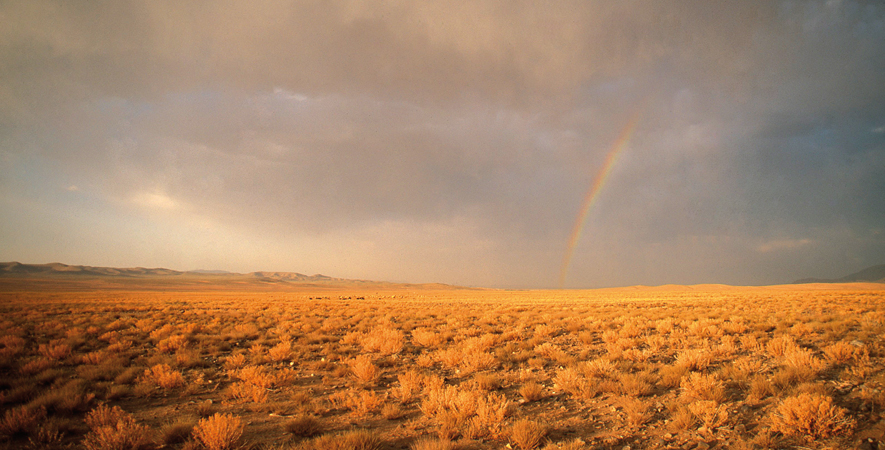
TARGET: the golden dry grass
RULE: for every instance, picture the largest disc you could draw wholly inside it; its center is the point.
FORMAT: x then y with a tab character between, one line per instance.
649	368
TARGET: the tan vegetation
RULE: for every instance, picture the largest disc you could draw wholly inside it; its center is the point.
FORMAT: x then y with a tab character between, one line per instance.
433	369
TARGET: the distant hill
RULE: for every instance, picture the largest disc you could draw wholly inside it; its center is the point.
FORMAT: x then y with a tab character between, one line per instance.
874	274
18	276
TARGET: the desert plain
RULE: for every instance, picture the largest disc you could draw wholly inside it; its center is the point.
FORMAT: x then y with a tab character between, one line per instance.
239	364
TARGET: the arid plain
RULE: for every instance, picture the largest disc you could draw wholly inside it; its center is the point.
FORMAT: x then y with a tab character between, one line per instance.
375	366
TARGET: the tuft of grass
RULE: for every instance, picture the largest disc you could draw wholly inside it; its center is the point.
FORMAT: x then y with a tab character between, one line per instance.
351	440
699	386
304	425
636	411
20	421
219	432
115	429
164	376
811	417
428	443
176	432
526	434
531	391
364	369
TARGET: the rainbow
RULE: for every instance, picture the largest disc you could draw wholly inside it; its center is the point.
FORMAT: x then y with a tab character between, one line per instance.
593	193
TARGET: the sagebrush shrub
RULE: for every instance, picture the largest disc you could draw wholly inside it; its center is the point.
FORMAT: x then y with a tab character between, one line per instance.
219	432
526	434
115	429
700	386
694	359
428	443
21	420
280	352
811	416
840	352
364	369
164	376
426	338
351	440
709	412
531	391
384	340
636	411
304	426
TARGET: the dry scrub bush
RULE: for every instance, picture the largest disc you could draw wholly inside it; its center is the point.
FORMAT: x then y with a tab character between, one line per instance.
694	359
545	331
246	392
671	376
35	366
254	375
449	357
699	386
71	397
280	352
709	412
472	413
304	425
163	376
526	434
810	416
548	350
473	362
804	361
681	418
531	391
219	432
114	429
11	345
55	350
21	420
172	344
391	411
487	381
781	345
409	386
384	340
426	338
47	436
573	382
364	369
351	440
574	444
600	368
637	385
760	387
234	362
363	402
176	432
742	368
428	443
840	353
636	411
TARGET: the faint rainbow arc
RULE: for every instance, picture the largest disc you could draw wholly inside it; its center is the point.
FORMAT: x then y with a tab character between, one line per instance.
593	193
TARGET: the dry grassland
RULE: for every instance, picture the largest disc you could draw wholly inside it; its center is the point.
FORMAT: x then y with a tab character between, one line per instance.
687	368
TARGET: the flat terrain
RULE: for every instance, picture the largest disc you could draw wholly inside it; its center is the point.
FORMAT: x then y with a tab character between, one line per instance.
688	367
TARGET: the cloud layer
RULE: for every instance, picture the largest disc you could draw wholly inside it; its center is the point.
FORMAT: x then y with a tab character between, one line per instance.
422	141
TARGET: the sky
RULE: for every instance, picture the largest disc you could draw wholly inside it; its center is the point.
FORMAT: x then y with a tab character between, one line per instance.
515	144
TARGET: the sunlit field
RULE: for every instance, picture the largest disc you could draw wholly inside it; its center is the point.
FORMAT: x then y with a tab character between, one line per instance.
672	367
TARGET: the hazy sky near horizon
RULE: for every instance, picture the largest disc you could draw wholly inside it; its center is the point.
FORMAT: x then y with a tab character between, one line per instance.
450	142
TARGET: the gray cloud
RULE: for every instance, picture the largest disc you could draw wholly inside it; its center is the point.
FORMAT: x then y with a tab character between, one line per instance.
435	142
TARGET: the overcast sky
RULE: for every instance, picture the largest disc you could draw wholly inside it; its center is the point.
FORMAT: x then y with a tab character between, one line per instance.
454	142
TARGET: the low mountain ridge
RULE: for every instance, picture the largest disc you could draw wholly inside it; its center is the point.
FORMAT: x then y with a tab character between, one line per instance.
874	274
15	275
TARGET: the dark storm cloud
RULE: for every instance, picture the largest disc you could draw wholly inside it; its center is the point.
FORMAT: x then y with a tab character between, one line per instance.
371	124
